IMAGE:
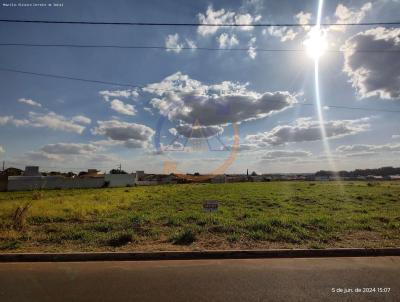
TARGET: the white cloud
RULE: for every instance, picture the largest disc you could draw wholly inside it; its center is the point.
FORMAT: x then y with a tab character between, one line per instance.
188	101
285	154
79	155
11	120
42	156
283	33
306	129
253	5
172	41
123	108
213	17
174	146
2	149
191	43
107	143
365	149
29	102
196	131
100	159
244	147
374	74
246	19
45	120
54	121
223	16
149	110
252	49
303	18
173	131
346	15
70	148
125	94
226	41
5	119
131	134
80	119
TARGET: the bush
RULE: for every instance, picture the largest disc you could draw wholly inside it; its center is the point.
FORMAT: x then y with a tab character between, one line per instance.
102	227
257	235
74	235
10	245
121	239
185	237
232	238
19	217
37	195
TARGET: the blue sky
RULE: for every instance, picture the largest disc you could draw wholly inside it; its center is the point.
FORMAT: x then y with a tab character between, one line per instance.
190	97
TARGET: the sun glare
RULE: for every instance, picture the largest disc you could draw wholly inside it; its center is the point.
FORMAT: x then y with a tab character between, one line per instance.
315	44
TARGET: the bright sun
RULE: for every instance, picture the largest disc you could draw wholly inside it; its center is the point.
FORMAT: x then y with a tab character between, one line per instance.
315	44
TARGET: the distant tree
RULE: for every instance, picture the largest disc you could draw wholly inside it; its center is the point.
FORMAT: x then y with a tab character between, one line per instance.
384	171
13	172
69	174
117	171
197	174
54	173
253	173
324	173
82	173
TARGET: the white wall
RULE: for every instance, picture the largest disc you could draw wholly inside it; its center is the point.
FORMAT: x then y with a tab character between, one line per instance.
147	182
120	180
21	183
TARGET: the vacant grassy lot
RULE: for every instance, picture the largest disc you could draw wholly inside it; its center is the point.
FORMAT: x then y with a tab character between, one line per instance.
250	215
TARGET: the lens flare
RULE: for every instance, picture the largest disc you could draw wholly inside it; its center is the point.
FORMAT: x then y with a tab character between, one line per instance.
316	43
316	50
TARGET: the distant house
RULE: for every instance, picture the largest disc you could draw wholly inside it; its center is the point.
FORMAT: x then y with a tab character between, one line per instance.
155	179
139	175
91	173
258	178
218	179
32	171
236	178
322	178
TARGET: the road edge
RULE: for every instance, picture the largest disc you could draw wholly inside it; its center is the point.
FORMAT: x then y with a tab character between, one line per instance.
198	255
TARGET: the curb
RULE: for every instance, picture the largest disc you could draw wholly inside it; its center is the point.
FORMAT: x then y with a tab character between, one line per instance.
198	255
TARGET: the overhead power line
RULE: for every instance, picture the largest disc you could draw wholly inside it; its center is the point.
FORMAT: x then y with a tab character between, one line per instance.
68	78
190	48
171	90
195	24
353	108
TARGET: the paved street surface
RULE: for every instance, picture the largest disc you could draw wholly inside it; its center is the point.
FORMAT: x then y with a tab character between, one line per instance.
203	280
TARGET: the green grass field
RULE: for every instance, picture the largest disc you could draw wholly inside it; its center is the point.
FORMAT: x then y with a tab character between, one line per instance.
170	217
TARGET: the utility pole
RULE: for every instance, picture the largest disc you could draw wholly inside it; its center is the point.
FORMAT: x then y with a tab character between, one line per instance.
4	163
120	167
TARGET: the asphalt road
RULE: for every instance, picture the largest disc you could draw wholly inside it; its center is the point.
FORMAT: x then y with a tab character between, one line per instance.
203	280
